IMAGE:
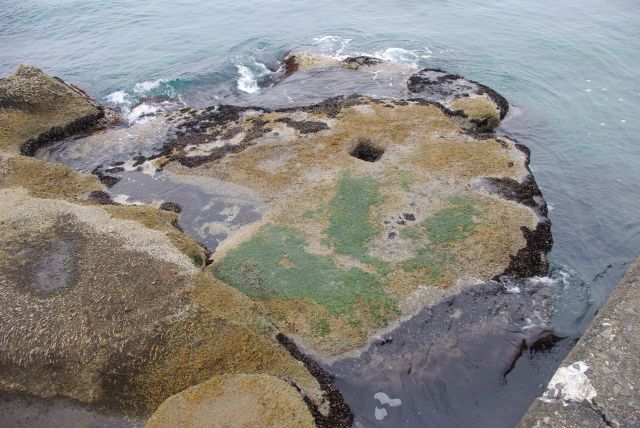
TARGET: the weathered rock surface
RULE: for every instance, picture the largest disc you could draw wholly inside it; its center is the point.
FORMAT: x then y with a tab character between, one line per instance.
372	209
473	105
481	105
598	384
372	205
234	400
102	309
368	210
36	109
103	303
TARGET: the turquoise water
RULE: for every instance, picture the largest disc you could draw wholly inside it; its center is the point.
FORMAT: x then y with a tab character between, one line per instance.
571	70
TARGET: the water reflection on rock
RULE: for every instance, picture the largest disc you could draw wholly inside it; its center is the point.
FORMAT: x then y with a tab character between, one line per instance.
209	209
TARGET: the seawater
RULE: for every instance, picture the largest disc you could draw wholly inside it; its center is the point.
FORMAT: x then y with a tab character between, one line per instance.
570	69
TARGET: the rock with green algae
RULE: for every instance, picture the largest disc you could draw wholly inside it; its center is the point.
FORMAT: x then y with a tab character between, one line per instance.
235	400
375	208
387	207
36	109
104	304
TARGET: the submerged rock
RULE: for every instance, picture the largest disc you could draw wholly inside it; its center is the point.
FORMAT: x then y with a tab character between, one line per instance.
36	109
234	400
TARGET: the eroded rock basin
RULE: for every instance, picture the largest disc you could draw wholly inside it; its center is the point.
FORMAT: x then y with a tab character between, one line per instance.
371	232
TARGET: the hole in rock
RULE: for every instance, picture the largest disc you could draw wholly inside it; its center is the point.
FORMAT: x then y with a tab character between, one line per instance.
367	150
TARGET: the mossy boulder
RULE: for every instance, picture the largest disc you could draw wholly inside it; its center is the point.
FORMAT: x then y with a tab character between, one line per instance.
235	400
36	109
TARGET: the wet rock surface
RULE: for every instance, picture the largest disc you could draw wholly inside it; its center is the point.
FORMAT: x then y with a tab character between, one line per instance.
121	329
598	383
32	412
483	106
333	186
101	326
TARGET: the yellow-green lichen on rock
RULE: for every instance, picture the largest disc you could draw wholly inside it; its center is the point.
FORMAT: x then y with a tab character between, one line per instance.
45	179
373	209
37	107
101	305
480	110
235	400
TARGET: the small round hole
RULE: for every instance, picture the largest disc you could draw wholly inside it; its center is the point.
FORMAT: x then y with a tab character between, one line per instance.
367	150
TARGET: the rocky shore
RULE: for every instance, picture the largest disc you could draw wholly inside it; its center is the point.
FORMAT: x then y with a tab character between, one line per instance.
333	223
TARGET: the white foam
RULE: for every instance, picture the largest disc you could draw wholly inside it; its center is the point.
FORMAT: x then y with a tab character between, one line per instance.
384	399
142	87
399	56
248	80
124	200
380	414
141	111
118	98
333	46
543	280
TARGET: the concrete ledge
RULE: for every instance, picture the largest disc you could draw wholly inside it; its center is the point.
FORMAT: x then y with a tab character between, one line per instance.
598	384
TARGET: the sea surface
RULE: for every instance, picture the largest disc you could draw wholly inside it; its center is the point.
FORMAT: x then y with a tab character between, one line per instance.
570	69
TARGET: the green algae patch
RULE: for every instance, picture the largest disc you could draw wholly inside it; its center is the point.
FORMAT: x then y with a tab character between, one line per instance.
431	260
455	222
322	326
350	230
274	265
